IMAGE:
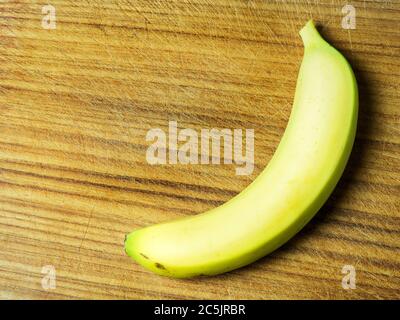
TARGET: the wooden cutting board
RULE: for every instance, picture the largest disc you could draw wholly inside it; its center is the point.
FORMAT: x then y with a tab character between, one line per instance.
77	101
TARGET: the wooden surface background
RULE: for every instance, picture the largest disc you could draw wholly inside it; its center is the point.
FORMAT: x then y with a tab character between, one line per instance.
76	103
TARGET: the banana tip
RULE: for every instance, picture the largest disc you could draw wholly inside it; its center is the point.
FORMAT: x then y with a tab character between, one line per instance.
125	239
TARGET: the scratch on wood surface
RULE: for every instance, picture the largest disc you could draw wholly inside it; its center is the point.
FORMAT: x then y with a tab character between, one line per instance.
351	43
86	229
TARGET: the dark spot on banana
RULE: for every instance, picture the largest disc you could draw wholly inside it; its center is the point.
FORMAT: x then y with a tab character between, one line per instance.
144	256
160	266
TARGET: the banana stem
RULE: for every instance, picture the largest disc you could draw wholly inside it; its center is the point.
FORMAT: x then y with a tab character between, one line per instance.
310	35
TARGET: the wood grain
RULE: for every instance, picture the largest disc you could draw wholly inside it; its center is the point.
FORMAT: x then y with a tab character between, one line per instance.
75	106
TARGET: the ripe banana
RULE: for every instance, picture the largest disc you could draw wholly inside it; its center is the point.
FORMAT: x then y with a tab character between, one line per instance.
302	174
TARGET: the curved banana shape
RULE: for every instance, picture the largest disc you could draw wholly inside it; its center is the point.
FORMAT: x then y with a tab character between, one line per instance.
298	180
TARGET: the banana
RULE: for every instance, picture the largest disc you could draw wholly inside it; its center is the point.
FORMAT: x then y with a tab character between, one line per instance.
300	177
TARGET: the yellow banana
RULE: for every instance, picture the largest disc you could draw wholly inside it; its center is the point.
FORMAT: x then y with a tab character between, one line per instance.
302	174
